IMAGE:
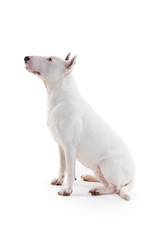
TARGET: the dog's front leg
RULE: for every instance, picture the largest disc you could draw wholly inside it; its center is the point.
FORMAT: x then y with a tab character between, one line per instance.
70	170
62	169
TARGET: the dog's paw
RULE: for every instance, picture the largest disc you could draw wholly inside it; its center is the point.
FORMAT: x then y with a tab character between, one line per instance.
85	177
65	192
57	181
94	191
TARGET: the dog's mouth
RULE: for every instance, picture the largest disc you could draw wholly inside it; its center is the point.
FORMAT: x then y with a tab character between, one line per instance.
34	72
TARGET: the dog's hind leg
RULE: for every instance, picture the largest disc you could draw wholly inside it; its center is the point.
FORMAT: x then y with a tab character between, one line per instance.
114	172
104	190
89	178
108	187
98	177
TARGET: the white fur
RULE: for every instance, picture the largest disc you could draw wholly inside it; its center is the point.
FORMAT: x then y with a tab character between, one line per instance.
80	133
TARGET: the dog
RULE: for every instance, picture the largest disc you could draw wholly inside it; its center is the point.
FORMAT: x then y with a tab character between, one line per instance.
80	133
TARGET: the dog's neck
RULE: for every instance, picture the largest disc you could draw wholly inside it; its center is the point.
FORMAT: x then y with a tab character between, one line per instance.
65	90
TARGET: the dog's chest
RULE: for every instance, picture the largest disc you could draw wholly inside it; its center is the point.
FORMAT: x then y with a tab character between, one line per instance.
53	124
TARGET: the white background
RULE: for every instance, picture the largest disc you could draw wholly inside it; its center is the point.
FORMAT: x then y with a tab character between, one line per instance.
118	72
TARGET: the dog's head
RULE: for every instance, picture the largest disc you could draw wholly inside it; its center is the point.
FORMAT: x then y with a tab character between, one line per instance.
50	69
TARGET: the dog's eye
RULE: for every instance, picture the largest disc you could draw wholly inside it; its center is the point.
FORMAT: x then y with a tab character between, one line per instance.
49	59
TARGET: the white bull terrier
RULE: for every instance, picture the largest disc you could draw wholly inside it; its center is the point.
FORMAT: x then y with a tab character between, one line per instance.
80	133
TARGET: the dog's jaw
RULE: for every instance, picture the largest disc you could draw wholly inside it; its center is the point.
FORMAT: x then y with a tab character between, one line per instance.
34	72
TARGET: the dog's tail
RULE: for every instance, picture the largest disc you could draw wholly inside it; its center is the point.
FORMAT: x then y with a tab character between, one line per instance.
124	190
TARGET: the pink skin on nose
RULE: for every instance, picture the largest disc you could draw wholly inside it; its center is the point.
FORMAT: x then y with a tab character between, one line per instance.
28	65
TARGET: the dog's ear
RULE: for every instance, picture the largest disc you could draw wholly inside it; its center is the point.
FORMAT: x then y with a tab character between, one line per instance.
67	57
70	64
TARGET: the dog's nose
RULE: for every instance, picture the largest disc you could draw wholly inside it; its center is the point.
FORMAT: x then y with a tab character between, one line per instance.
26	59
